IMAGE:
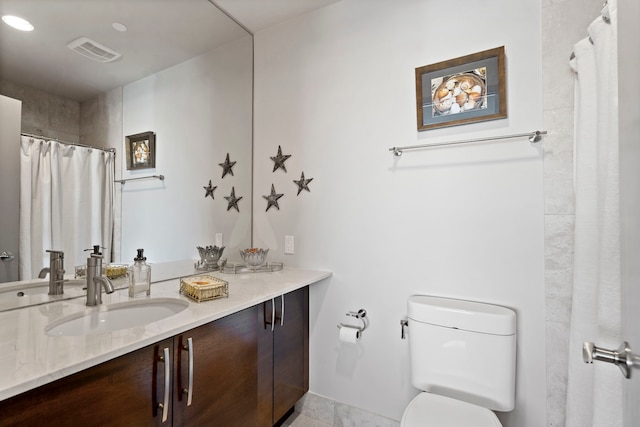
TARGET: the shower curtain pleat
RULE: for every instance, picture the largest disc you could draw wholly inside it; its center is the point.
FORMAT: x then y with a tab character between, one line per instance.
594	392
66	203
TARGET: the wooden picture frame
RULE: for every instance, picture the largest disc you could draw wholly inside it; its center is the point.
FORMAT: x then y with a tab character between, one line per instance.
141	150
462	90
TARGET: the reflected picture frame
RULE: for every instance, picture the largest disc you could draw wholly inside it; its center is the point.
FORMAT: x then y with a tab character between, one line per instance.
462	90
141	150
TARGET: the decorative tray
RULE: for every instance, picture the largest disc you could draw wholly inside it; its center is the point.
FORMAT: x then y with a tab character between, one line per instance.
204	267
204	288
240	268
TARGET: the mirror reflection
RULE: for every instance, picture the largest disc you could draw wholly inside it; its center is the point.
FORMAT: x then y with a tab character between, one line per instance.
184	74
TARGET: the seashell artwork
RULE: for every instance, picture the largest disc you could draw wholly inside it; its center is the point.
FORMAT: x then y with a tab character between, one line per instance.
458	93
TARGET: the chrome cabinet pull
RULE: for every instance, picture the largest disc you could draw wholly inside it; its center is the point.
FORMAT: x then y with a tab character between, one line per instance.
167	381
189	389
622	357
273	314
282	311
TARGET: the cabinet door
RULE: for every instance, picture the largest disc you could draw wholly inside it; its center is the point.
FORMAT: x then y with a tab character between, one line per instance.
224	391
122	391
290	351
283	376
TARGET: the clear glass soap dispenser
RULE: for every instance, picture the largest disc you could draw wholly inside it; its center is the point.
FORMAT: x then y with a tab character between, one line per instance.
139	275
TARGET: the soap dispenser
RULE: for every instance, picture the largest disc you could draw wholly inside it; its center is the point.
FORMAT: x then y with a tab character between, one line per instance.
139	275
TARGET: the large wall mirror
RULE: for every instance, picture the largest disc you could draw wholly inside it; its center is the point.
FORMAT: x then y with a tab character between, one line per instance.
185	75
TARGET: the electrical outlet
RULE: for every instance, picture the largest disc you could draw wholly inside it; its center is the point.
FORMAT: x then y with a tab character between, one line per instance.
288	245
219	240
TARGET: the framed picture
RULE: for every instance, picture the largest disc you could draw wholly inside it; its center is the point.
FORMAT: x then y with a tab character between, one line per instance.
463	90
141	150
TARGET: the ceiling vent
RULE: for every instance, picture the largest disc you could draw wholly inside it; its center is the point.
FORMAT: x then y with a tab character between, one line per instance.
93	50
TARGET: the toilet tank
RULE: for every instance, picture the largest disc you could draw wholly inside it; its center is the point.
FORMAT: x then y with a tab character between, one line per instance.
464	350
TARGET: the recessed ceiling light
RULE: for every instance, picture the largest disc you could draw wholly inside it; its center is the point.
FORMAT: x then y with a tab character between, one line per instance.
119	27
17	23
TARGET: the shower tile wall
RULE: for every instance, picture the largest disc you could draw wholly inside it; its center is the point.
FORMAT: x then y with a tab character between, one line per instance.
44	113
564	23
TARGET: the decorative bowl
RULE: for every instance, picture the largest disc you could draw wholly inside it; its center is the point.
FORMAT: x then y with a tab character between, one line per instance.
210	254
254	257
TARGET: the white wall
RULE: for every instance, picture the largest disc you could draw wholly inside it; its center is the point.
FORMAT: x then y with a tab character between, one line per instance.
200	110
335	88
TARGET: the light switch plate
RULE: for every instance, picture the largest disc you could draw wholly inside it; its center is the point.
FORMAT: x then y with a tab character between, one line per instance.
288	245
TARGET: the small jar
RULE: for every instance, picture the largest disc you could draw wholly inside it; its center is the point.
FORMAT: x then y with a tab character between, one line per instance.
139	275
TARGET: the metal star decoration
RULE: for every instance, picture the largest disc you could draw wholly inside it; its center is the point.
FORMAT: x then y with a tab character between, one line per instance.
303	184
209	190
279	159
233	200
272	199
226	166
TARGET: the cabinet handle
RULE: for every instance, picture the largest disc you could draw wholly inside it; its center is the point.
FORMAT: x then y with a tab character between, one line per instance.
189	390
282	311
167	380
273	314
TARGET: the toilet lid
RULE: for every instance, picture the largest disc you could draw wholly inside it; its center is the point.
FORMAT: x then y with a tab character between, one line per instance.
432	410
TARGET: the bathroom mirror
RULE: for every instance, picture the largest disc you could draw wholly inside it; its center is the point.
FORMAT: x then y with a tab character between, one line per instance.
190	84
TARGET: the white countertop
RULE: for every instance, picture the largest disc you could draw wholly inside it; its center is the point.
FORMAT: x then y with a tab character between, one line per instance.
30	358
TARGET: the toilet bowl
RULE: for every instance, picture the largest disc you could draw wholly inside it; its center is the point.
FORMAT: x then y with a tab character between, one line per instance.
432	410
463	359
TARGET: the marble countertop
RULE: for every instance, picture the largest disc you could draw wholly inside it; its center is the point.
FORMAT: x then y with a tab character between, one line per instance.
30	358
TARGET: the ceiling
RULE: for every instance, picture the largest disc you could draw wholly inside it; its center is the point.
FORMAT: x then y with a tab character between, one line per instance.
160	33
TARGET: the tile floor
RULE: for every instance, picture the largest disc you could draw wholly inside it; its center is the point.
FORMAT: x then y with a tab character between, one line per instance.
298	420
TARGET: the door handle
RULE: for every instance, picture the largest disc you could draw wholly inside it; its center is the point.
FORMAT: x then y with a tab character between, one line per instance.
622	357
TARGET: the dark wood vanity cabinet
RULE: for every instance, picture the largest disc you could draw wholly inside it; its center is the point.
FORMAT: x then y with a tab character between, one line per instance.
244	374
127	390
116	393
225	373
283	348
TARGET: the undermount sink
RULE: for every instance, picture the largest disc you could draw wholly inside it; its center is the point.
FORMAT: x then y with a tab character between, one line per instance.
113	317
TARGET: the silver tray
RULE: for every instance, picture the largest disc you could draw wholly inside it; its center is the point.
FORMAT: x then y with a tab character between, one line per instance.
241	268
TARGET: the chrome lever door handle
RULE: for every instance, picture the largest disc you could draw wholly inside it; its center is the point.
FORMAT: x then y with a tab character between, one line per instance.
622	357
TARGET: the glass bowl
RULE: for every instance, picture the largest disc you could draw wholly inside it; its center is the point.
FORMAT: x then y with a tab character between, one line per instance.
254	257
210	254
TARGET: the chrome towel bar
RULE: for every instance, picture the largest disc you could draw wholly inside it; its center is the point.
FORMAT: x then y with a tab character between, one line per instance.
122	181
533	137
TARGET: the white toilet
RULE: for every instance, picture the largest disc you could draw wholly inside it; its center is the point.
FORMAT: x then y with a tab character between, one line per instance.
463	358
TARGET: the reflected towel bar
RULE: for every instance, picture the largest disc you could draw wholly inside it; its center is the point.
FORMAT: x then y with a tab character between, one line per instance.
122	181
532	136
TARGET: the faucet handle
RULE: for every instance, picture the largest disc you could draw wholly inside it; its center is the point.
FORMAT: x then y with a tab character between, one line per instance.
55	254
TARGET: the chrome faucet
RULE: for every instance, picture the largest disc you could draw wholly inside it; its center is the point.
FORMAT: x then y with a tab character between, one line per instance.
95	280
55	271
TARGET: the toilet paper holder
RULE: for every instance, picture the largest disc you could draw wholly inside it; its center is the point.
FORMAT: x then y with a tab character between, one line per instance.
360	315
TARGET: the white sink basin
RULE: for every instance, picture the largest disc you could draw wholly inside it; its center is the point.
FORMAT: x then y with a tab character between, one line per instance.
113	317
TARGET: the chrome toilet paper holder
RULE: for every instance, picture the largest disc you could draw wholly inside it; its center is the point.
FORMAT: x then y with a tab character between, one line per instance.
360	315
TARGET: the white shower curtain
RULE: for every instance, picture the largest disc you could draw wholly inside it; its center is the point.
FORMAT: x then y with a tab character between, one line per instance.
66	203
594	393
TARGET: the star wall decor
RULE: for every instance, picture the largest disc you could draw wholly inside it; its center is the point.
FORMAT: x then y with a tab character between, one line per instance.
279	159
233	200
303	184
227	166
209	190
272	199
